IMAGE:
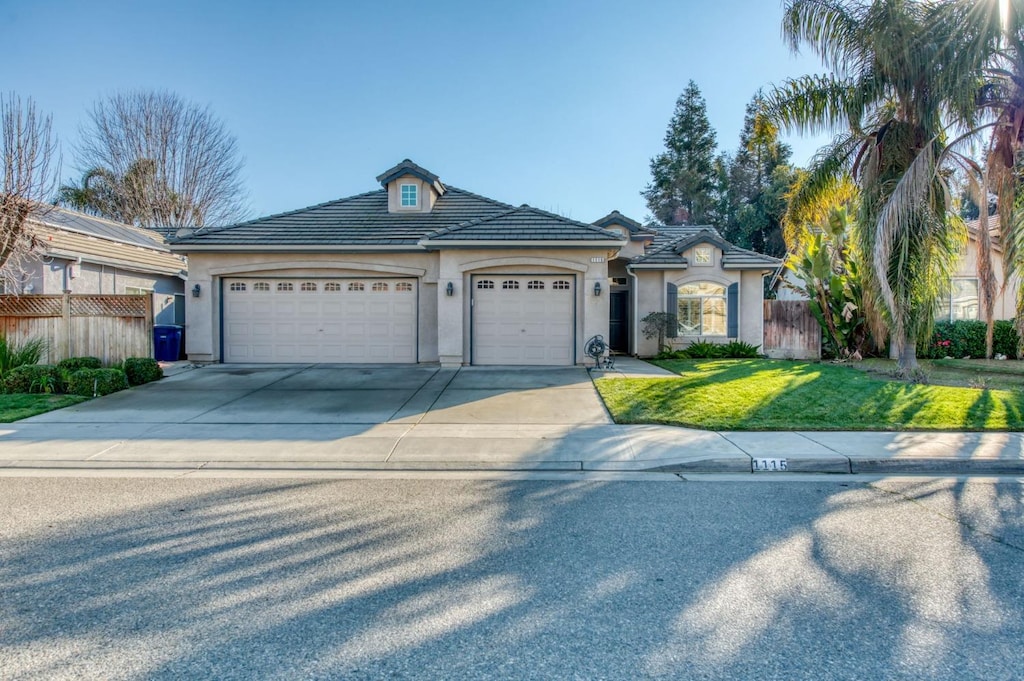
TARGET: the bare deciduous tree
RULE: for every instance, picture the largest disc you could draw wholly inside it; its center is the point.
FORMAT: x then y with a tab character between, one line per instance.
28	153
170	163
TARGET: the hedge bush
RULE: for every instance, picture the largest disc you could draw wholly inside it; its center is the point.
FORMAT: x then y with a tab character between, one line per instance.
89	382
34	378
142	370
966	338
70	365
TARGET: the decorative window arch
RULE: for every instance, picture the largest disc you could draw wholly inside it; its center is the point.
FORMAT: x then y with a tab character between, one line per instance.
332	287
356	286
560	285
379	286
535	285
261	286
238	286
308	286
702	309
485	283
510	284
403	287
285	287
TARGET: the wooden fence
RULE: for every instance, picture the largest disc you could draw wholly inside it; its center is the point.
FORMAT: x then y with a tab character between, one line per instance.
790	330
111	327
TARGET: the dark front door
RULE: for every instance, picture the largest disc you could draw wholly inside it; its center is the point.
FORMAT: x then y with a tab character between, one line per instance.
618	322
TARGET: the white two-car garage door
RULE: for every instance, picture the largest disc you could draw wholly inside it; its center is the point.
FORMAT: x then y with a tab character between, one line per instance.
319	320
524	319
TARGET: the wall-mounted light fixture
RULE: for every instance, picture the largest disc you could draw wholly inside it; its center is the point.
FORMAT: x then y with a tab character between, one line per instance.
450	289
597	288
196	291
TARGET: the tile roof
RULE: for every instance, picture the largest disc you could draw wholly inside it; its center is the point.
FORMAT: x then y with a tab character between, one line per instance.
670	243
407	167
523	224
361	220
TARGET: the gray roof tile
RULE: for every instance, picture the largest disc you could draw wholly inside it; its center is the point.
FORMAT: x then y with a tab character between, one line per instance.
523	224
91	225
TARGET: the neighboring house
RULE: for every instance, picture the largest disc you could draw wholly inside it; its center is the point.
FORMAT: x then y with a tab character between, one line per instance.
961	299
420	271
85	254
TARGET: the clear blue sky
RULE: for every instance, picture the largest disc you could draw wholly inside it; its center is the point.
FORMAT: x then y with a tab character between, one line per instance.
557	104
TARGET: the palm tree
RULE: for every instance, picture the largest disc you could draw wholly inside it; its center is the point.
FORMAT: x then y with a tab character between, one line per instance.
994	31
96	194
899	85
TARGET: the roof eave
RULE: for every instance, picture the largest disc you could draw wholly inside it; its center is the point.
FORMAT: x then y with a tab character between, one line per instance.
295	248
520	243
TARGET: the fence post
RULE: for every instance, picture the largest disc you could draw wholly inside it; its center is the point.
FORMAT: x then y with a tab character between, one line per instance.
66	348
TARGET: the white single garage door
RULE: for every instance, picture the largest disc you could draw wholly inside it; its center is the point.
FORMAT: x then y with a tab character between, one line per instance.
524	319
319	320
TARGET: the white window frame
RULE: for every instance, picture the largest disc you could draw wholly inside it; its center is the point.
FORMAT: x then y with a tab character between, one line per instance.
947	302
138	290
702	298
415	196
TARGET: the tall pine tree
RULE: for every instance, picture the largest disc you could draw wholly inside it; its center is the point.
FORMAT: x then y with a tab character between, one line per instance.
759	177
684	177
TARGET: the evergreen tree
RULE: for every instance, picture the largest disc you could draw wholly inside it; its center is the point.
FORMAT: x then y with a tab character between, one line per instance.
684	177
758	179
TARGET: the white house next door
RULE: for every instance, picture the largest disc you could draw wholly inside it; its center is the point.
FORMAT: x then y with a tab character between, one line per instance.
331	320
523	319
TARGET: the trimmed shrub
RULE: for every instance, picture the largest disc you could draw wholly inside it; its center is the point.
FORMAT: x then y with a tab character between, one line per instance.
34	378
93	382
966	338
141	370
705	350
72	364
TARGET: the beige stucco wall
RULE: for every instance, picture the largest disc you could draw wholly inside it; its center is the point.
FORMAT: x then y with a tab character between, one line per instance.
424	192
651	297
1006	300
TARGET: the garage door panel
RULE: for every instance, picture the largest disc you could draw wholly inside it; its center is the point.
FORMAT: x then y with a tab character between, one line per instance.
519	322
302	320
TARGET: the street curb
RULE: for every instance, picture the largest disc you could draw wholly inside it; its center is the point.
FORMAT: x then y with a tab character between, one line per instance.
922	465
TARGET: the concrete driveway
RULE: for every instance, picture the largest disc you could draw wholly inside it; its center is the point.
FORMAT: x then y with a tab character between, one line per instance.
375	417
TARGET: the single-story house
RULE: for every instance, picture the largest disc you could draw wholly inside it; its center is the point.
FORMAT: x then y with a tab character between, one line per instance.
421	271
82	253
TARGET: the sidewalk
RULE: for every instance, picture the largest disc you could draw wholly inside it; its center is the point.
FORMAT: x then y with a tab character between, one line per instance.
217	420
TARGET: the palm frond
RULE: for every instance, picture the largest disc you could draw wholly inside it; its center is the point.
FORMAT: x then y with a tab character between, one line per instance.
812	104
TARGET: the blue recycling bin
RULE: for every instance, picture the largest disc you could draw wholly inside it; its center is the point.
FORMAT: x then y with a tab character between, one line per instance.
166	342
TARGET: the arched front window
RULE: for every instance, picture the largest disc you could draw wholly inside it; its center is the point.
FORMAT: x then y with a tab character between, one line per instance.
702	309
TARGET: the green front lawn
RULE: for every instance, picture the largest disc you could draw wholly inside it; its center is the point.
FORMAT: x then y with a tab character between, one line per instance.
21	406
759	394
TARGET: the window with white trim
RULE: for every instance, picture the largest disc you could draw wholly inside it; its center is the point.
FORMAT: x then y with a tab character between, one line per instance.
308	286
380	286
960	301
285	287
237	286
403	287
356	286
485	283
261	286
510	284
139	291
702	309
535	285
332	287
560	285
409	196
702	255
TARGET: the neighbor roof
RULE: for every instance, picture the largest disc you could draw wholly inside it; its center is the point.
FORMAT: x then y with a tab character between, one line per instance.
523	224
91	225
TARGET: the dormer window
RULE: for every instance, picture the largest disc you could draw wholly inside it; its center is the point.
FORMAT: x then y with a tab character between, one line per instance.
410	197
702	255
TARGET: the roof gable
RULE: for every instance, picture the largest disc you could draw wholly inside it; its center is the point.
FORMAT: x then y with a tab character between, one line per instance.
407	167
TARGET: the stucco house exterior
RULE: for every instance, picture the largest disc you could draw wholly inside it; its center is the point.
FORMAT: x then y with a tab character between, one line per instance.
421	271
82	253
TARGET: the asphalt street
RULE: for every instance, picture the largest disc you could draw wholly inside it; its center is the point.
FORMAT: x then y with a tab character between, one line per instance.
149	578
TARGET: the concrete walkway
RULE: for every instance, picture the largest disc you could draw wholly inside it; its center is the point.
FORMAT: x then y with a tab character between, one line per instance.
224	418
